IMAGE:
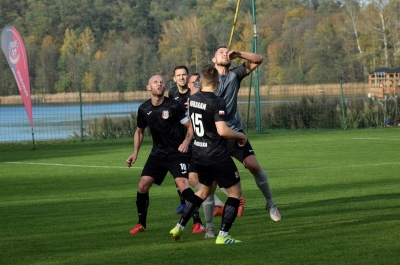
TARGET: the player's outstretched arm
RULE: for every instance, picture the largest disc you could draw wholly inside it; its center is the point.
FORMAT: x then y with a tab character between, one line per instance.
137	143
230	134
252	59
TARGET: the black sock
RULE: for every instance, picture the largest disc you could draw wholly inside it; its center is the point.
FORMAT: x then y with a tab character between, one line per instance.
187	193
142	204
229	213
196	215
192	205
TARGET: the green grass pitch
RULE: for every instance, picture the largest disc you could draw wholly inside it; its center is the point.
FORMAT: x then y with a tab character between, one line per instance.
73	202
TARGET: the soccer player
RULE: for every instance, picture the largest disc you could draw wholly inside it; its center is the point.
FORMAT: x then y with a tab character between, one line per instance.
181	93
211	157
228	89
172	132
212	206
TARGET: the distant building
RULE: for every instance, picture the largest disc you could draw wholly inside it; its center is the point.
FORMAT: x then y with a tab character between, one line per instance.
384	82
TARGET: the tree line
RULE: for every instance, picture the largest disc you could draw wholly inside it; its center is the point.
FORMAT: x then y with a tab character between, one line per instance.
102	45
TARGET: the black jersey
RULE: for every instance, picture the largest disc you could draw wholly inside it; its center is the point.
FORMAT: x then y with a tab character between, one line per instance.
178	96
206	108
165	124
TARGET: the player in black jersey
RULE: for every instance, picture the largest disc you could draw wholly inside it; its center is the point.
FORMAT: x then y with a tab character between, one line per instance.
211	156
181	93
164	117
228	89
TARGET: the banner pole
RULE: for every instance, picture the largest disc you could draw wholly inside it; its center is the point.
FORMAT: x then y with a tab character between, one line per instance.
33	140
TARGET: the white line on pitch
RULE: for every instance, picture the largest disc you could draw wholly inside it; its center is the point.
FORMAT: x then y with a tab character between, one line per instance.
333	167
66	165
273	170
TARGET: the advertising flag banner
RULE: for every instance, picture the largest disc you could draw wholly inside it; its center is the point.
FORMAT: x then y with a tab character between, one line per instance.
14	50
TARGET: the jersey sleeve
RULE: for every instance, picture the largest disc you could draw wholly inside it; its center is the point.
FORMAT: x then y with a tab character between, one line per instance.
240	71
219	108
182	114
141	122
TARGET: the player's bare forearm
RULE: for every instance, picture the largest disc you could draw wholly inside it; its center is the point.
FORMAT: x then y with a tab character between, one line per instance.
248	56
228	133
189	133
252	59
188	138
138	140
137	143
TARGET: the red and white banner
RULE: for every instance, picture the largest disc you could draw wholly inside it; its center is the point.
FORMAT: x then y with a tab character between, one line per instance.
14	50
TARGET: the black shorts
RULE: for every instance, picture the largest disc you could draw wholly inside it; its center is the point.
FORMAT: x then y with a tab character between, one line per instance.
192	168
157	167
225	174
240	152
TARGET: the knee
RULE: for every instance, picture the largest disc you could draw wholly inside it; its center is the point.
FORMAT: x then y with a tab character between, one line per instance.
252	164
182	183
143	187
193	179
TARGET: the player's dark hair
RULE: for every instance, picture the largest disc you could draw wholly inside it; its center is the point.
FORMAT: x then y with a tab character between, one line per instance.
180	67
222	46
194	74
209	75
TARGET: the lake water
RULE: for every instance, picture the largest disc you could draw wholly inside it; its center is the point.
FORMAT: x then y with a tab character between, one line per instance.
53	122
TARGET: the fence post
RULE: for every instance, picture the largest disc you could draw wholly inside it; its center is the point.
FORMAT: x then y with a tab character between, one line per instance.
256	85
80	106
343	106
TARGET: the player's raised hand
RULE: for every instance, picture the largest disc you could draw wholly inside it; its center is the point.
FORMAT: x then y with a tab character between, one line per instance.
233	54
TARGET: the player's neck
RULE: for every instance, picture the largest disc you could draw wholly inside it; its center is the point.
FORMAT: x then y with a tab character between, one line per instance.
182	89
207	89
157	101
222	70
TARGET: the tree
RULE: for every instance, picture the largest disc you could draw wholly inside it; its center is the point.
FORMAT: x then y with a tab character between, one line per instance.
182	42
352	9
380	13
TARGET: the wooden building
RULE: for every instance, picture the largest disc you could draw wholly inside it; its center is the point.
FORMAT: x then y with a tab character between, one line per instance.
384	82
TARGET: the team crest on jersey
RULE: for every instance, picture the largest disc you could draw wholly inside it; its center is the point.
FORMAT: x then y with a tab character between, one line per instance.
237	174
13	51
165	114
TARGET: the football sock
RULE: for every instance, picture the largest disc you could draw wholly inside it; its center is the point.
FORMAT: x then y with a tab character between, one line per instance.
217	201
262	183
196	217
208	207
187	193
192	204
142	204
229	214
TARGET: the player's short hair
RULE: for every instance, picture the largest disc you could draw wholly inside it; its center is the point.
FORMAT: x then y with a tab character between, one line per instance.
194	74
209	75
222	46
180	67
